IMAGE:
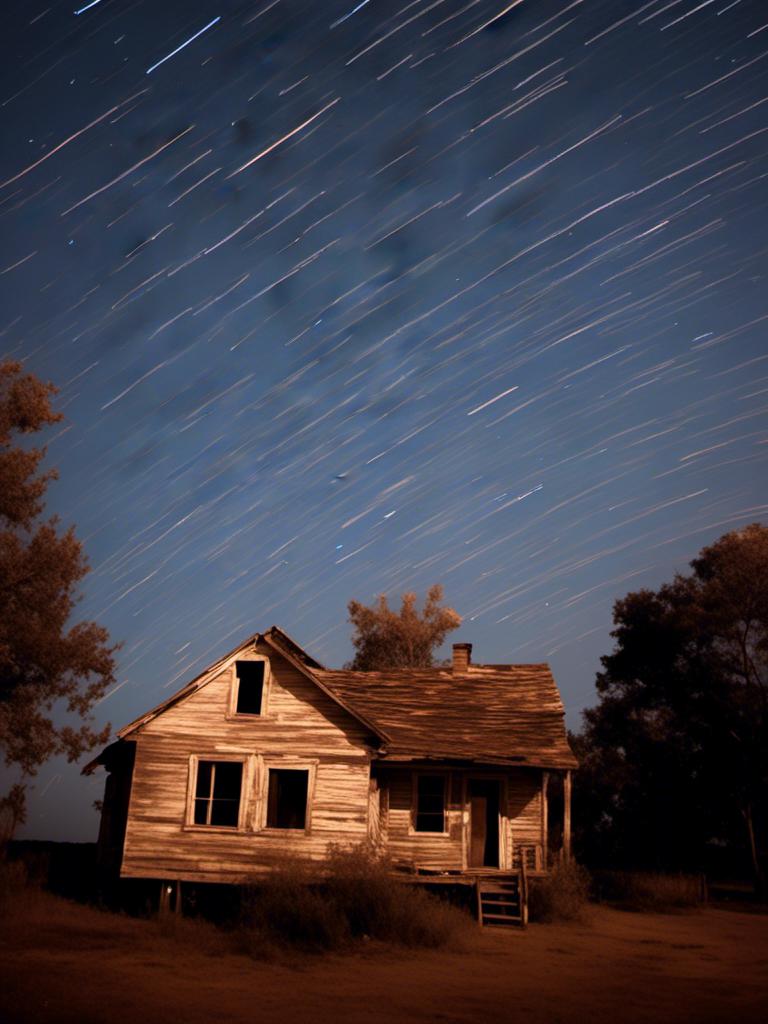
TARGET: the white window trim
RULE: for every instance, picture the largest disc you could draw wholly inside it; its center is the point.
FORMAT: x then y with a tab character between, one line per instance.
232	712
292	764
246	788
415	776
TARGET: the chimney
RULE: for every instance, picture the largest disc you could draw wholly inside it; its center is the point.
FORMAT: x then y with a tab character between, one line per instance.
462	655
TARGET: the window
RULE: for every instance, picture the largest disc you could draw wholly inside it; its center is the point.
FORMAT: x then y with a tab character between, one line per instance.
430	803
287	798
250	687
217	793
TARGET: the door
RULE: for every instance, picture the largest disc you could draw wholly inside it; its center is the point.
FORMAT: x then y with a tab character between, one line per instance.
483	823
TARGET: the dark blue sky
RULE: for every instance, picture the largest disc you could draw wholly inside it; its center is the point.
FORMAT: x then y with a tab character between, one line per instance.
346	301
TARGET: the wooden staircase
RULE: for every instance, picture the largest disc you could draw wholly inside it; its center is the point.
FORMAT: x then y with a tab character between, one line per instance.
502	900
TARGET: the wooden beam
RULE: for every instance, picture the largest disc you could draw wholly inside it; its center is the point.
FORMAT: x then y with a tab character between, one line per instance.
567	816
544	817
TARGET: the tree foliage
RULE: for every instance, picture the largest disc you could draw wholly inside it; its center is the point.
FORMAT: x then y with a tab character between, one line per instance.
386	639
674	757
52	672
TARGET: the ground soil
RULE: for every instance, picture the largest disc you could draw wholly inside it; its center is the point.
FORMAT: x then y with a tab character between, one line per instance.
63	962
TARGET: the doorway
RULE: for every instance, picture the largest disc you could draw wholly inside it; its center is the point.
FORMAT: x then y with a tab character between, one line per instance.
483	823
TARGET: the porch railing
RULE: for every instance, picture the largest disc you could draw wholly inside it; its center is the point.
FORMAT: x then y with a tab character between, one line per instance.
529	856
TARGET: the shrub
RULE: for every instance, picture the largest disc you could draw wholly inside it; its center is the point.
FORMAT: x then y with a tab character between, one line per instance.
649	891
356	899
560	896
287	909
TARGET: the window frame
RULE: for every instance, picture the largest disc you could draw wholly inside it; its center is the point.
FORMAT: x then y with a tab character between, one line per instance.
246	784
308	765
232	713
435	774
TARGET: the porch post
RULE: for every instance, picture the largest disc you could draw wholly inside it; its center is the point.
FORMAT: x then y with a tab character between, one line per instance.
165	899
567	816
544	818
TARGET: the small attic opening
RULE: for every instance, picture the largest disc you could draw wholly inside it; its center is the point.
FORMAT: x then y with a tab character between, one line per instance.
250	687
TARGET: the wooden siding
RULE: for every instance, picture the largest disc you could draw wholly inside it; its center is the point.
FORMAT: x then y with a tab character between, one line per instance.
408	848
302	728
522	817
525	820
374	813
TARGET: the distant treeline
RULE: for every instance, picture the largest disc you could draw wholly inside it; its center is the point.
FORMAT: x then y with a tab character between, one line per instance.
673	759
68	869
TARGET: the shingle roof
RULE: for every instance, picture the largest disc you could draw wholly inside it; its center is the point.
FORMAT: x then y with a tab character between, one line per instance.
496	714
493	714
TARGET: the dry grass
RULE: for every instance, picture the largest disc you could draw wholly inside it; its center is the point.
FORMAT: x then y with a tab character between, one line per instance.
291	911
66	963
648	891
357	900
562	896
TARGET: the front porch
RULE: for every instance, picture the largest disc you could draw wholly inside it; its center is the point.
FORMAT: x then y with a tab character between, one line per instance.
459	822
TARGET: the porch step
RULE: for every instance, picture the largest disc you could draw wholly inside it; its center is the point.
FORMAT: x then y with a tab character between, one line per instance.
501	921
501	902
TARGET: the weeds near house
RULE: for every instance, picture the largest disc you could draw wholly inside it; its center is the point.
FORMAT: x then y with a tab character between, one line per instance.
308	907
287	909
563	895
356	899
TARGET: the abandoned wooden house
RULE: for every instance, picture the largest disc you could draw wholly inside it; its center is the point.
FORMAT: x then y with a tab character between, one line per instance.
267	754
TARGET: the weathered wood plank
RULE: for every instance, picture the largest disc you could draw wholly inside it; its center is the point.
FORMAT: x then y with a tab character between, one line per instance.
302	726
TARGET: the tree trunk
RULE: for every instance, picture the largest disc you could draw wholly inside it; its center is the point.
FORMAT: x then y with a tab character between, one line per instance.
757	871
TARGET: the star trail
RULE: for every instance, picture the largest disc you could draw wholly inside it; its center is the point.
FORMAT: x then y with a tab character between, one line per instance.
347	298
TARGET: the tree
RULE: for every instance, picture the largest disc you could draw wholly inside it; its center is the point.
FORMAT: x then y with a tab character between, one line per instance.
406	639
51	672
675	754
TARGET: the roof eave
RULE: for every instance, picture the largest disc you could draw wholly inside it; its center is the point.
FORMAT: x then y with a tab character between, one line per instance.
285	649
558	763
376	730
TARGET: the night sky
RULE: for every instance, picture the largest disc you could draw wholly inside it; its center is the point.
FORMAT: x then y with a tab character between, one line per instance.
348	299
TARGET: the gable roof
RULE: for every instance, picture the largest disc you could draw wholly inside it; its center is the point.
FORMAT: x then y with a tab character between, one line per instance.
492	714
279	641
205	677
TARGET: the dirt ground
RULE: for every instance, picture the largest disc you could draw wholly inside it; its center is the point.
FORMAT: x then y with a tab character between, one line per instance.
61	962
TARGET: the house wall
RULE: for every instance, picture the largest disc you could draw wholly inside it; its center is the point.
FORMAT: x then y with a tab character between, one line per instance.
522	821
302	727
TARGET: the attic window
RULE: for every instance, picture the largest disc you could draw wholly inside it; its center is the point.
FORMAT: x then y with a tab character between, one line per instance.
250	687
287	798
430	803
217	793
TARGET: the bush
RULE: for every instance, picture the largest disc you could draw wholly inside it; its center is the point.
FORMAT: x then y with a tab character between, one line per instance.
562	895
356	899
289	910
378	906
647	891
